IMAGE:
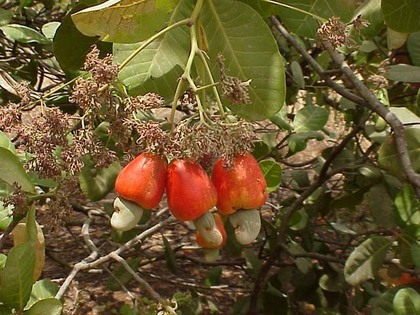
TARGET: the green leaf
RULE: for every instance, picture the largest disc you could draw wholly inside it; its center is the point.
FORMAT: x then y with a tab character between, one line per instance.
302	263
403	73
68	38
272	174
237	32
304	24
408	205
389	158
23	34
264	9
3	259
413	47
4	310
332	282
49	29
50	306
6	143
415	254
158	67
16	277
213	276
297	74
41	290
381	206
310	118
407	302
124	21
5	215
11	171
395	39
170	256
405	115
382	305
403	15
365	260
97	183
5	16
297	142
120	275
253	263
280	120
299	220
371	11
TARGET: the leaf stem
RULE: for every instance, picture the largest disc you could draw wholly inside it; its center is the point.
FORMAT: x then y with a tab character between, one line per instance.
212	82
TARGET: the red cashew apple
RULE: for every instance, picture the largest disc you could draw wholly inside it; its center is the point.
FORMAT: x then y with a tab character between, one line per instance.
218	232
240	185
143	180
241	188
189	189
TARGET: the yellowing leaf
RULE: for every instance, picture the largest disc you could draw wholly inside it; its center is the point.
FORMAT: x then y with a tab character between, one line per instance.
124	21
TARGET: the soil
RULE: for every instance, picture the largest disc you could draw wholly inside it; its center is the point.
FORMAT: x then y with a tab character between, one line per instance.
93	292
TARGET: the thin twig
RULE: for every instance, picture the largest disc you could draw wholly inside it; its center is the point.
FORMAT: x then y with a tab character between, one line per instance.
86	264
374	104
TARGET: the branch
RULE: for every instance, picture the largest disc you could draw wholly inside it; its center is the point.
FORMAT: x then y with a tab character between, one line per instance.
374	104
324	175
91	261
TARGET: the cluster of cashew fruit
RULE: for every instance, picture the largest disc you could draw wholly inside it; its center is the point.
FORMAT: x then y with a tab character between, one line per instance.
236	189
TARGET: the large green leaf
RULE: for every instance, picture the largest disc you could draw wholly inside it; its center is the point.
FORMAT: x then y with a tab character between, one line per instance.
371	12
158	67
11	171
67	39
237	32
408	205
381	206
402	15
24	34
298	142
413	47
42	289
5	215
6	143
124	21
365	260
272	174
97	183
310	118
403	73
16	277
304	24
389	157
50	306
382	305
407	302
405	115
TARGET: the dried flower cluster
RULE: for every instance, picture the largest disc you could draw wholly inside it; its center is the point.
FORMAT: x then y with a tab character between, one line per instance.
93	94
234	89
334	31
206	143
10	118
18	200
24	92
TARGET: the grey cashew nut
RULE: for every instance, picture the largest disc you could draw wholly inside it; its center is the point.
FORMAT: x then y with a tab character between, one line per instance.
206	226
247	225
126	215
